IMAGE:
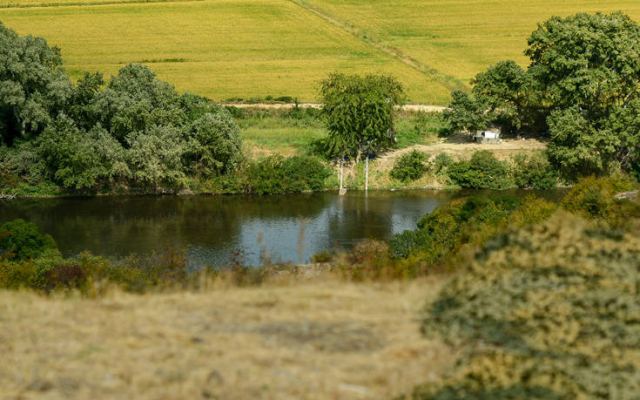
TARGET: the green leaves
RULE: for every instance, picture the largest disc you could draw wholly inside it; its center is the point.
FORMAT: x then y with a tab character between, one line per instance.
482	171
21	240
360	112
410	166
137	131
466	113
581	88
33	85
548	312
213	145
587	60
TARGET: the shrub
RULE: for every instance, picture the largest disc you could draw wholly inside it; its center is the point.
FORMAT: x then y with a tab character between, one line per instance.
21	240
483	171
155	158
81	160
441	163
278	175
54	273
369	259
410	166
534	172
305	173
595	198
464	223
213	145
322	257
549	312
21	164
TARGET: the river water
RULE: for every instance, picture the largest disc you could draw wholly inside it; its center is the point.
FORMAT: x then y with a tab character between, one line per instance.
220	230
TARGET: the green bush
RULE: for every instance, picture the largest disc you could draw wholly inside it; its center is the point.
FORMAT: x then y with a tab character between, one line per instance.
466	222
441	163
213	145
549	312
21	165
90	274
410	166
534	172
278	175
80	160
21	240
483	171
133	131
594	198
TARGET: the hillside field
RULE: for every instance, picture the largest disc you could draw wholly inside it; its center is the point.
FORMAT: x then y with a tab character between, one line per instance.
256	48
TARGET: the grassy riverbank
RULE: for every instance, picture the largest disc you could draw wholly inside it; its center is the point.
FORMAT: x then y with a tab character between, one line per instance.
290	133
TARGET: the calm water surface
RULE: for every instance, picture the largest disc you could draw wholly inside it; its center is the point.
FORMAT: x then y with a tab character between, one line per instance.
218	230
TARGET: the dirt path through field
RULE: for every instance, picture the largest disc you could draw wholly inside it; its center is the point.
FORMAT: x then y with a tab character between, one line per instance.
366	37
502	150
289	106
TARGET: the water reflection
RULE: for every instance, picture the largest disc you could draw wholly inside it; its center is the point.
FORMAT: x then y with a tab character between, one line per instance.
217	230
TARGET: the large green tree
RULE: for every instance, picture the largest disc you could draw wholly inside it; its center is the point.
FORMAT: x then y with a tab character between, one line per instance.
132	130
33	85
581	89
591	61
359	111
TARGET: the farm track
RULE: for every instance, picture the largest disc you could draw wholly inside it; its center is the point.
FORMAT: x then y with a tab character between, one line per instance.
289	106
448	81
90	3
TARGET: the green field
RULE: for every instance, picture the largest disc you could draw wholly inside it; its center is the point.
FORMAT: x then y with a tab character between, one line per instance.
255	48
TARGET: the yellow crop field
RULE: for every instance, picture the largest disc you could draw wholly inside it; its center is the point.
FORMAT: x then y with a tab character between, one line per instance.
458	38
220	49
255	48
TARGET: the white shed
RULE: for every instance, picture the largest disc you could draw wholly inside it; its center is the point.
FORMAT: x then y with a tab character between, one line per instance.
487	137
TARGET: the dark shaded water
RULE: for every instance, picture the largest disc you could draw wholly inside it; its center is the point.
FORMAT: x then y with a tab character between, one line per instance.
218	230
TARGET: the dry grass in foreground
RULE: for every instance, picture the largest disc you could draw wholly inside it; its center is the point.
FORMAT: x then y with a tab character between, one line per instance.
315	340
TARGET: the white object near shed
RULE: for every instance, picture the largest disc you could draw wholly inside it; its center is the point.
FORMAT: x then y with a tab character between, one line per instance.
487	137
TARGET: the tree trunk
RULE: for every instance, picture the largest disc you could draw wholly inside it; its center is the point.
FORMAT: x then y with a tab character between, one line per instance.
366	174
341	177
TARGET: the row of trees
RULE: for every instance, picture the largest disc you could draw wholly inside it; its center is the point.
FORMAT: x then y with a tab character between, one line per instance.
133	130
581	89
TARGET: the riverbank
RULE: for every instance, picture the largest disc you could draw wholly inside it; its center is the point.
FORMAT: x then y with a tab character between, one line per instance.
321	339
379	169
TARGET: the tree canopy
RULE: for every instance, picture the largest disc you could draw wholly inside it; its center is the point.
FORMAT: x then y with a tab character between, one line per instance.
33	85
360	112
132	130
580	89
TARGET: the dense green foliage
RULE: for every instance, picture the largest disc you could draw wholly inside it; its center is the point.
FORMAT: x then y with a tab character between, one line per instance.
549	312
359	111
278	175
441	163
21	240
581	88
410	166
33	85
465	113
594	198
533	172
465	222
482	171
134	131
